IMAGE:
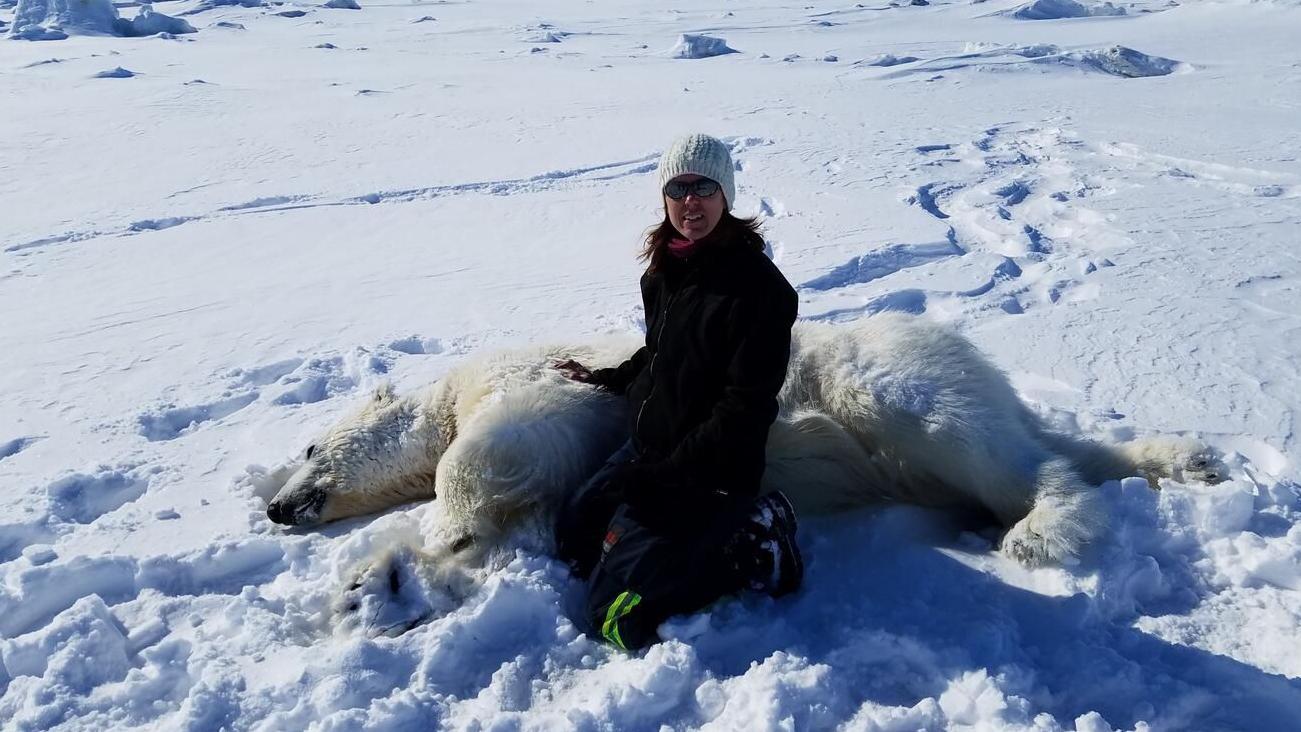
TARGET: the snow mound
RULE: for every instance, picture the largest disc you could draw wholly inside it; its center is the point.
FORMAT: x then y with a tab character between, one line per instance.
52	20
1055	9
210	4
692	45
148	23
1038	50
342	4
1123	61
886	59
1114	60
115	73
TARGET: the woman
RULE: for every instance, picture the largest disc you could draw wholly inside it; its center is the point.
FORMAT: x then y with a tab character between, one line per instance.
671	523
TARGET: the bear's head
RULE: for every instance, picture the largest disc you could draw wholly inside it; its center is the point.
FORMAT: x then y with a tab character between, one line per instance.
381	455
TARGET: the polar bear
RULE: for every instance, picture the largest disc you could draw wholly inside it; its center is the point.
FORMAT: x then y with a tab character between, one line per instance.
890	407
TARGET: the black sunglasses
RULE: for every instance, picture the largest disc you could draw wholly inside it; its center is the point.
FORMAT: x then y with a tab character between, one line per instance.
700	188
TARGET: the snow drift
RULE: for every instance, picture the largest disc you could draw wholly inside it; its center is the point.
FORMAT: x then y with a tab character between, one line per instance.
1122	61
1055	9
692	45
148	22
50	20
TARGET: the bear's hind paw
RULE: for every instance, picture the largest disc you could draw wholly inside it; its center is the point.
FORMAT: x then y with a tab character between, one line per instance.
1034	549
1204	467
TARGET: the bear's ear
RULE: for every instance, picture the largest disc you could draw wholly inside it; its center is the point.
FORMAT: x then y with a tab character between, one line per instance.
384	394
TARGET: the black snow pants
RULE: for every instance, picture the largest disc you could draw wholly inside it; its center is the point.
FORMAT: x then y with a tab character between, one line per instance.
646	563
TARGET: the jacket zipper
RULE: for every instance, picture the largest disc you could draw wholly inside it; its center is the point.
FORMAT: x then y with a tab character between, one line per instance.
664	322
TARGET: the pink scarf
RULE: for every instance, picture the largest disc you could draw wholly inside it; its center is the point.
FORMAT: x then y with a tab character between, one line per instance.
682	248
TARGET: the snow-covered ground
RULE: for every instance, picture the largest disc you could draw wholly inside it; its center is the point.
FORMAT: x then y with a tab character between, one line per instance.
207	259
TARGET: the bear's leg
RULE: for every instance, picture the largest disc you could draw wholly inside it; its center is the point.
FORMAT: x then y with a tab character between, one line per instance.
1181	458
820	466
1050	511
1067	514
522	455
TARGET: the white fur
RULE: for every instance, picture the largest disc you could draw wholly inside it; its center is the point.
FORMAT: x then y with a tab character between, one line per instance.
890	407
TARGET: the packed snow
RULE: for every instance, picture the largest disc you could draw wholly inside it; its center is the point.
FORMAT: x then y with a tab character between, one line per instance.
1054	9
204	265
694	45
54	20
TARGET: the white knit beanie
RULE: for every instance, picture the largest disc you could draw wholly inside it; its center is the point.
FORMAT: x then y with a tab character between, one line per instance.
699	155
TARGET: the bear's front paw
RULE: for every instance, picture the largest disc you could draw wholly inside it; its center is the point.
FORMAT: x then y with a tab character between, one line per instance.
387	597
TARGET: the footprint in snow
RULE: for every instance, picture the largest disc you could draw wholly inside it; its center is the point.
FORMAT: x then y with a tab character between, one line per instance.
414	345
316	380
882	263
78	499
325	377
264	375
1037	242
1071	290
1013	193
925	197
288	382
81	498
266	201
911	301
771	209
170	422
1006	271
15	540
17	445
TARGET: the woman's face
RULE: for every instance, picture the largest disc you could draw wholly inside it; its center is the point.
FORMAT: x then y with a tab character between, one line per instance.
695	217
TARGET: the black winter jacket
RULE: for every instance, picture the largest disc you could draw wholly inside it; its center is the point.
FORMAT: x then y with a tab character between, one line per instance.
703	390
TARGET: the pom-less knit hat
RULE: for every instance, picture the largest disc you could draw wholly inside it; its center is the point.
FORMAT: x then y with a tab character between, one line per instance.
699	155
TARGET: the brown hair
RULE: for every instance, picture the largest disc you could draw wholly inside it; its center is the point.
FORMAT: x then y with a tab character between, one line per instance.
730	232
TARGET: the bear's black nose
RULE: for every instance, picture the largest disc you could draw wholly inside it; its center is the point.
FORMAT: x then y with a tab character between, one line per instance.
277	513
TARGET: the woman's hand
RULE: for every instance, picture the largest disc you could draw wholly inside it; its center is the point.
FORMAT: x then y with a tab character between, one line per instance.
575	371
